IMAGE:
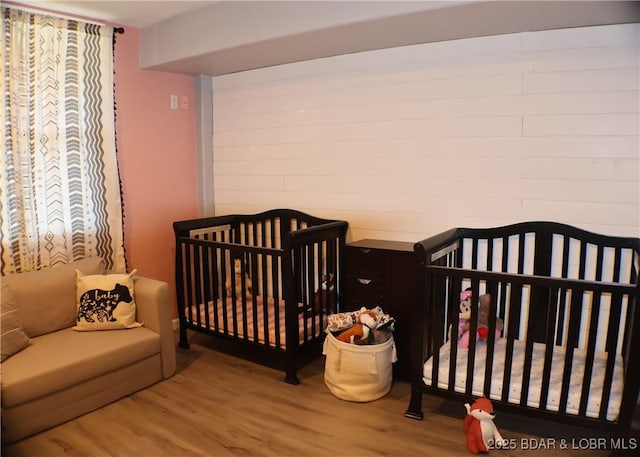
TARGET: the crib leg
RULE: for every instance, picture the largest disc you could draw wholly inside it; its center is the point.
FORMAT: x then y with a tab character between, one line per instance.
291	377
415	405
183	342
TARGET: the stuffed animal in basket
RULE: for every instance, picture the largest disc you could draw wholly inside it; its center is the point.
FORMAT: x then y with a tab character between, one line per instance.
482	434
482	331
237	268
360	331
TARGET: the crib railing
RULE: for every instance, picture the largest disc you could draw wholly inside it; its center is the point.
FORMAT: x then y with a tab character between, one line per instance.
588	305
550	283
240	276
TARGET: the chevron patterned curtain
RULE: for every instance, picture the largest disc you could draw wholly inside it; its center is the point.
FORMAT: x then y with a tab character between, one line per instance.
59	184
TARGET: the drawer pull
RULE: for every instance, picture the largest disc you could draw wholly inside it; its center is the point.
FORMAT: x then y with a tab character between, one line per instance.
364	281
365	250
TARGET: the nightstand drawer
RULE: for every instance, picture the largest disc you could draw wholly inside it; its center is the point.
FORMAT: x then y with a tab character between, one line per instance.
362	261
363	291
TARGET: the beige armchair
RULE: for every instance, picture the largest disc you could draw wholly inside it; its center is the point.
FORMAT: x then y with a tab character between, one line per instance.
63	373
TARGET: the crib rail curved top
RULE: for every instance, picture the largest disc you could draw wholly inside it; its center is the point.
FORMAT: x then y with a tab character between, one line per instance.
545	243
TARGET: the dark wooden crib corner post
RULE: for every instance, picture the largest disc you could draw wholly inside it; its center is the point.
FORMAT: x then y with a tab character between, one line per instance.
418	336
183	341
291	310
539	298
631	388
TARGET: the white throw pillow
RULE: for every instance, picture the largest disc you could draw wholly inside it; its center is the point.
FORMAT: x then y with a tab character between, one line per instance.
105	302
13	338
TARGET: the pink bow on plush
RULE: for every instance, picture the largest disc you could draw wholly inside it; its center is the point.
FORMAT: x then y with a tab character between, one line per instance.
465	294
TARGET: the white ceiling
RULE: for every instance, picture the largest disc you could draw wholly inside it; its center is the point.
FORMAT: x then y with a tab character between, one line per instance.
214	37
138	14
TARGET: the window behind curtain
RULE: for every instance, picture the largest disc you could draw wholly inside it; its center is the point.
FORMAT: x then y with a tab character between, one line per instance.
59	184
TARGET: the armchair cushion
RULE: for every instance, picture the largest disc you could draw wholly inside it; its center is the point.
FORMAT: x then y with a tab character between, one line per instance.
13	337
65	358
51	305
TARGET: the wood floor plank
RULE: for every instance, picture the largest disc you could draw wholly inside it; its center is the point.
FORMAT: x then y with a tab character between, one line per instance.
218	405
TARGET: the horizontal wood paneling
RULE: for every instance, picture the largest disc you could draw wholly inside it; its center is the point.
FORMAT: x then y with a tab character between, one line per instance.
409	141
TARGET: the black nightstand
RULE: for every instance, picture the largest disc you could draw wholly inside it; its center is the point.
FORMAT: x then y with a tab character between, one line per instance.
384	273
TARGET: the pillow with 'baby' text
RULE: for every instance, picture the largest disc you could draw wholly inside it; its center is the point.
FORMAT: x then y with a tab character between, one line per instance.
105	302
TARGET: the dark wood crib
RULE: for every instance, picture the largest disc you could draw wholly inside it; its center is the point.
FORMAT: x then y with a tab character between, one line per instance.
261	285
563	336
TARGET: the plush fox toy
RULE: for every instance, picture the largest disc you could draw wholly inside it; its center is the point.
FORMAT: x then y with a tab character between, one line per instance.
481	432
359	333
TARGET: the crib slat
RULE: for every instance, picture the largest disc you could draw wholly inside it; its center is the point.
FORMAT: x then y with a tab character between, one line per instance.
265	303
490	242
582	265
218	259
234	295
474	254
549	346
276	269
226	260
323	302
505	253
599	262
617	256
566	245
453	343
307	296
615	313
633	275
563	303
521	248
206	261
560	324
575	317
591	348
197	262
492	290
515	301
241	294
473	330
528	356
253	266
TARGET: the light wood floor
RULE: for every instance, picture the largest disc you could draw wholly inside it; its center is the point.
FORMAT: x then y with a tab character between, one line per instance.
218	405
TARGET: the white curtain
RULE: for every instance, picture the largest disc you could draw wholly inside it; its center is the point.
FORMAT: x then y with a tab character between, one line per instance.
59	184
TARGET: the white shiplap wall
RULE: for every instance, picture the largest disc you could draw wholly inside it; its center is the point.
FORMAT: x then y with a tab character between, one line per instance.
406	142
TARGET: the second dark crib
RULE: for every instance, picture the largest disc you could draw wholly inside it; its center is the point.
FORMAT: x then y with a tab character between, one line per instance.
569	348
260	285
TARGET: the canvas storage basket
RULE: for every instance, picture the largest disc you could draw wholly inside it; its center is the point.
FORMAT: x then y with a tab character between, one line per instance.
358	372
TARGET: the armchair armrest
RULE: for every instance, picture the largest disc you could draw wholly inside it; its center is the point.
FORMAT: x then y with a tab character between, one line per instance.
153	308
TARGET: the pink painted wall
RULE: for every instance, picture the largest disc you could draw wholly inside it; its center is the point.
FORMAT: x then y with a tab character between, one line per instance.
157	157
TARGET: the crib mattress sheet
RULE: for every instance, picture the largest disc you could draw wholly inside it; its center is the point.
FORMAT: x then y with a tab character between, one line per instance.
535	383
271	316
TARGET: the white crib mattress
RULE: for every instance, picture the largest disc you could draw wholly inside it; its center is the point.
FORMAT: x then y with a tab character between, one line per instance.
535	382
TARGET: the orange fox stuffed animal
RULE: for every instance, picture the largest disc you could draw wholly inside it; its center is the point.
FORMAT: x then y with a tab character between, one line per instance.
359	333
481	432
